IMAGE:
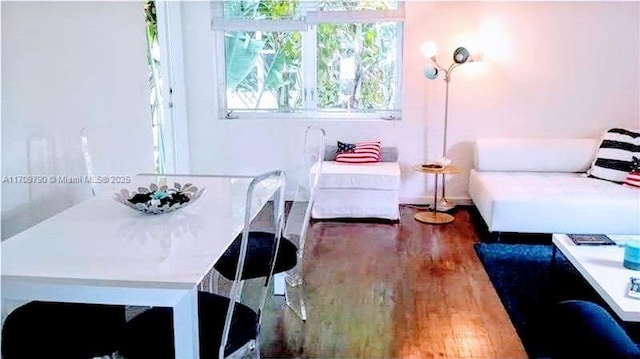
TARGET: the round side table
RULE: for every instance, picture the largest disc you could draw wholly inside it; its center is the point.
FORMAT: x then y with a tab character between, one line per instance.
433	216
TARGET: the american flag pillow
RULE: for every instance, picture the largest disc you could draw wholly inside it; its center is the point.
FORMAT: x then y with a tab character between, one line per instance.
633	178
361	152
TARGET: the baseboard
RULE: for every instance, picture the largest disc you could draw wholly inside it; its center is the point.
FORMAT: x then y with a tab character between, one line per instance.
462	201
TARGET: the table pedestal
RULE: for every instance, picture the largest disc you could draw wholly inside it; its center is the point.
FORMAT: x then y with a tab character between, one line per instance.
433	217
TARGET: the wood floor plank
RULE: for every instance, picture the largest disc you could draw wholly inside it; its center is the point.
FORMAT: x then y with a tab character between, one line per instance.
401	290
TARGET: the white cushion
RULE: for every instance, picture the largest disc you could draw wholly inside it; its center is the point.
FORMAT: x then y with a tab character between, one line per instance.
554	203
372	176
539	155
614	155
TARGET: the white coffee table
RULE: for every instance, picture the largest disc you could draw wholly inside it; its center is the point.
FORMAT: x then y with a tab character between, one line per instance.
602	267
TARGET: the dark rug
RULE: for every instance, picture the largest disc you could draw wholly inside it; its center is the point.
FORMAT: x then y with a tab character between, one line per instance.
522	276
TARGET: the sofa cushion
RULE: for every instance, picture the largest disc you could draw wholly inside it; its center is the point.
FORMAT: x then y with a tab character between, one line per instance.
536	155
554	203
371	176
361	152
633	178
613	159
387	154
344	147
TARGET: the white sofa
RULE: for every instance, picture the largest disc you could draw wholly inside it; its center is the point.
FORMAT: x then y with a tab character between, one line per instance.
540	186
367	190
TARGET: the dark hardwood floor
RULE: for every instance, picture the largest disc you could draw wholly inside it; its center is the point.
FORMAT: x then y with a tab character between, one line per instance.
403	290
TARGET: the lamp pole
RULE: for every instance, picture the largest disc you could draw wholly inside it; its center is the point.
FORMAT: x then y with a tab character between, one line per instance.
444	204
460	56
447	80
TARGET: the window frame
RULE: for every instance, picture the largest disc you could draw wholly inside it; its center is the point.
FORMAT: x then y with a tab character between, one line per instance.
175	129
307	26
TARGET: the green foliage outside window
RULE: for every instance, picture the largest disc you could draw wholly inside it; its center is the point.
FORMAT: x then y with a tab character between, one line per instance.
151	27
266	62
370	47
356	63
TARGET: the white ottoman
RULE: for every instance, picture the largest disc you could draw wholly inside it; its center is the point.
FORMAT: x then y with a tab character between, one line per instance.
368	190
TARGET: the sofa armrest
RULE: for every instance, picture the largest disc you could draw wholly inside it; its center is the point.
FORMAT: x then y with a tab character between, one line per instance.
387	154
535	155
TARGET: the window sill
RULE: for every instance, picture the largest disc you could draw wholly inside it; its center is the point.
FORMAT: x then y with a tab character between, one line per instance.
335	117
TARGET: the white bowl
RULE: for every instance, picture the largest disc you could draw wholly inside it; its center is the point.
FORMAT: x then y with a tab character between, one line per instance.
443	161
159	199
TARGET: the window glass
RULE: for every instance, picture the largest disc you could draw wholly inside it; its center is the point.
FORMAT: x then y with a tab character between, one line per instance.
309	57
263	70
261	9
333	5
357	66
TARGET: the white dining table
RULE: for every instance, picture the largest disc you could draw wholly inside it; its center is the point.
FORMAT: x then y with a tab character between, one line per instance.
100	251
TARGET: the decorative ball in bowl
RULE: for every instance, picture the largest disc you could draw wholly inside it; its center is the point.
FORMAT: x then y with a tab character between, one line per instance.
159	199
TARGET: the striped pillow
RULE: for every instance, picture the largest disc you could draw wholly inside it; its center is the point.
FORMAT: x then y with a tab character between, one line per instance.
613	160
633	178
361	152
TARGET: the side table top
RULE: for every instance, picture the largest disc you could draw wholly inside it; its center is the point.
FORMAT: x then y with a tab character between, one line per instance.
447	170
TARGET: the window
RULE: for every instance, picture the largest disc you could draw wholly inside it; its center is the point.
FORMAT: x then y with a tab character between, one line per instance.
296	58
166	82
155	84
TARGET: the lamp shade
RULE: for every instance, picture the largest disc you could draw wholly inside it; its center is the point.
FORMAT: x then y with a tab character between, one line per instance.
430	72
461	55
428	49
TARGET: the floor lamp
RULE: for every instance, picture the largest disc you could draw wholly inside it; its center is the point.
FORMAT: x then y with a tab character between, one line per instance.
460	56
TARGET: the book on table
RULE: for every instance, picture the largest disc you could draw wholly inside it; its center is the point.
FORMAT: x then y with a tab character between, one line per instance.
591	239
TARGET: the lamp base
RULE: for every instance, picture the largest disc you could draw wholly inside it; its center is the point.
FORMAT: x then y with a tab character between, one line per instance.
445	205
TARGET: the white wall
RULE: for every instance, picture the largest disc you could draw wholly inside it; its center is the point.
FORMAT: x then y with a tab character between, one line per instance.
65	66
553	69
558	69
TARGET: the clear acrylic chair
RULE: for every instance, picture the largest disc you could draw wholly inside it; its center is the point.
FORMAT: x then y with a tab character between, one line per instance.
65	330
229	325
86	155
258	257
299	216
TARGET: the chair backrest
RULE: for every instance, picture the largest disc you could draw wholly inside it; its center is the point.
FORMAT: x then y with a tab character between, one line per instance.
299	214
261	190
86	155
